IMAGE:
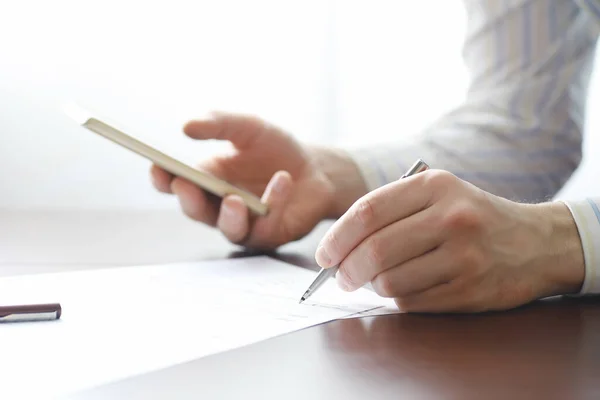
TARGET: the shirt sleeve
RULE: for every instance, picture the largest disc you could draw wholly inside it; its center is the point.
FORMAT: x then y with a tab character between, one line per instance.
518	134
586	214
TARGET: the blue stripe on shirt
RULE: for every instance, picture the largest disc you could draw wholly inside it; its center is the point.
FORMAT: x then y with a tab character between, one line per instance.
595	208
500	45
593	5
552	22
516	107
555	62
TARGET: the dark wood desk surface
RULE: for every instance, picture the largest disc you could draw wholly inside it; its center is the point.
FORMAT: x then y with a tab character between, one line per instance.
547	350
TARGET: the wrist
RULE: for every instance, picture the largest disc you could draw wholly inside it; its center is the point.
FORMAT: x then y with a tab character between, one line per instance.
563	264
344	176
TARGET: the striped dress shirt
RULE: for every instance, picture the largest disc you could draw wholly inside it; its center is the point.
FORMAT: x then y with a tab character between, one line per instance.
518	134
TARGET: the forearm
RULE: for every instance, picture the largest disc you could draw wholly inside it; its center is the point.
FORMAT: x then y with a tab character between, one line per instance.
518	133
343	174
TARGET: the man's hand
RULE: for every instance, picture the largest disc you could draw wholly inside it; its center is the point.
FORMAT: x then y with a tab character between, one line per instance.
438	244
297	183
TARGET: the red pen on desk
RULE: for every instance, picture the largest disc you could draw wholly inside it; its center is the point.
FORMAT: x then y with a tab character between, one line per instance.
31	312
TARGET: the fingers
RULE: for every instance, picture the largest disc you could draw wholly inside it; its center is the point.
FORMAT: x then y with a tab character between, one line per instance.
241	130
371	213
232	216
194	202
233	219
389	247
416	275
266	230
444	298
161	179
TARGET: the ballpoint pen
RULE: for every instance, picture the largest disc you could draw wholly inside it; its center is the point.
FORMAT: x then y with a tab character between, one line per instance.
327	273
30	312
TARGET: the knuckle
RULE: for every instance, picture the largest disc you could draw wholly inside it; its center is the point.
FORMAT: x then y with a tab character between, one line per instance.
436	182
437	178
365	212
375	253
463	216
383	285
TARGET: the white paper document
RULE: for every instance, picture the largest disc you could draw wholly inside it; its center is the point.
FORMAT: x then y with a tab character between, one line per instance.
120	322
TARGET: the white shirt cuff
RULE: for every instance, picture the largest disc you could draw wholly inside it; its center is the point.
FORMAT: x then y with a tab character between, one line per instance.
586	214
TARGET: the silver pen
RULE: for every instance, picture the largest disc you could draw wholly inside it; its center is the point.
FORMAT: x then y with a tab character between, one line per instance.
326	273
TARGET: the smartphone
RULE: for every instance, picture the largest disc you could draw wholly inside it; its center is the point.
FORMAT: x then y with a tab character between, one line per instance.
203	179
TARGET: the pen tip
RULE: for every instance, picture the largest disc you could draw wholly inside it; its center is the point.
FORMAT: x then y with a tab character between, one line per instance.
301	300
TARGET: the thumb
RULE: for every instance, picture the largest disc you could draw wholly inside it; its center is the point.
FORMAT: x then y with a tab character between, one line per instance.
266	232
240	129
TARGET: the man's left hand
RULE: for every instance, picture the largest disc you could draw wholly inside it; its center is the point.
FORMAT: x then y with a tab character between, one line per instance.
436	243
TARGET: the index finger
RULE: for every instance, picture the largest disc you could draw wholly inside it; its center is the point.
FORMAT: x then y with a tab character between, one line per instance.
240	129
372	212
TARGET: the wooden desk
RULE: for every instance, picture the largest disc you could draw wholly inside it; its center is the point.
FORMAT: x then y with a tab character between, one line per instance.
548	350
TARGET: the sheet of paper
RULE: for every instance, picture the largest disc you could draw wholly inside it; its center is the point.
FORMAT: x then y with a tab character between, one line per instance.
121	322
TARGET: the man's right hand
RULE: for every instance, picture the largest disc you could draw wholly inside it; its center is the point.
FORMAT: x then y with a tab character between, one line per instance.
290	178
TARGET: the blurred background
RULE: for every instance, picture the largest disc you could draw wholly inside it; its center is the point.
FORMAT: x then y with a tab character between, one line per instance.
331	72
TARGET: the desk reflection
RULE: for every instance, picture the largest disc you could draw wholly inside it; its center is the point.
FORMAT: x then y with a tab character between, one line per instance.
495	355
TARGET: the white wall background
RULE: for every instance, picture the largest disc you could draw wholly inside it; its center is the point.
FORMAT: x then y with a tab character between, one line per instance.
328	71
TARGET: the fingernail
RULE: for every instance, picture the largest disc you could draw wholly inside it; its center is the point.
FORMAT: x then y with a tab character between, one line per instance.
342	282
278	184
228	212
322	257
